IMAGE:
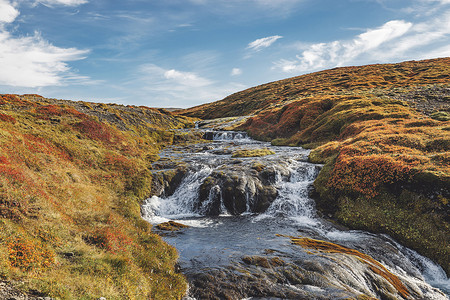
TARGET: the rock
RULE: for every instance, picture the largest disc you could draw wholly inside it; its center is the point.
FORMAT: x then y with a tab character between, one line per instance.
165	182
171	226
238	189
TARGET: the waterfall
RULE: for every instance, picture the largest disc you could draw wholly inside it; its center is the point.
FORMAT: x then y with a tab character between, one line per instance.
225	135
182	202
222	233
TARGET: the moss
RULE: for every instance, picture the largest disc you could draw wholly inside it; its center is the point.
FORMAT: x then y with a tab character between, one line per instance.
409	218
171	226
441	116
252	152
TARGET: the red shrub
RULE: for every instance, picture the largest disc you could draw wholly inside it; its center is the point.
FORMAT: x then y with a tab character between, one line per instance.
120	163
7	118
95	130
56	110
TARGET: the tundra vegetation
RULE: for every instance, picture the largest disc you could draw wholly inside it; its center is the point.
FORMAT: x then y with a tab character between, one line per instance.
383	135
72	177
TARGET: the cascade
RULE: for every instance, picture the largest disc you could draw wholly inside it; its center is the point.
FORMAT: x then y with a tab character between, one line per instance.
238	208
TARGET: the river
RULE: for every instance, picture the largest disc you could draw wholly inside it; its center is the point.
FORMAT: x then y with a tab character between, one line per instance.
243	214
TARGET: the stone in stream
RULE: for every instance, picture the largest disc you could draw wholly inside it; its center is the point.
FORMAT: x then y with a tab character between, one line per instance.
329	271
238	189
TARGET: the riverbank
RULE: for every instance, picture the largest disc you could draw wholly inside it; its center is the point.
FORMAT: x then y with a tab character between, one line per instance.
382	132
72	178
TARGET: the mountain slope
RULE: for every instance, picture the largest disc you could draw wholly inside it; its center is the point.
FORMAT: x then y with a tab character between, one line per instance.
72	176
383	133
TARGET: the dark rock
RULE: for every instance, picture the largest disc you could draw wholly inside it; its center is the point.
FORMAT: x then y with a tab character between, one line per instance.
165	182
237	190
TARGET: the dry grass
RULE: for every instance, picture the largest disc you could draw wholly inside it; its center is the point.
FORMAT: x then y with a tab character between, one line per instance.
70	192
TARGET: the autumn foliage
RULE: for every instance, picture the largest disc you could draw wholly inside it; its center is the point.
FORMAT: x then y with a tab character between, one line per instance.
71	184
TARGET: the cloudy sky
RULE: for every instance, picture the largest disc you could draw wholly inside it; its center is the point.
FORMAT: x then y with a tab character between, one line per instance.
181	53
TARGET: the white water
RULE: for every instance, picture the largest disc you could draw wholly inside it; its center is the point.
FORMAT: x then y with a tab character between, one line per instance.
219	240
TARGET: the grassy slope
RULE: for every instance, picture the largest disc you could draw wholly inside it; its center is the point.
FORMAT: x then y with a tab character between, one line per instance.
387	163
70	192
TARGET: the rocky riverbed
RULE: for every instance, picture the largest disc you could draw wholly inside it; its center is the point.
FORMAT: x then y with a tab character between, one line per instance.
254	231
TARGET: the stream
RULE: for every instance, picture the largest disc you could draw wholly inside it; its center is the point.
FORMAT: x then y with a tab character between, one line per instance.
242	214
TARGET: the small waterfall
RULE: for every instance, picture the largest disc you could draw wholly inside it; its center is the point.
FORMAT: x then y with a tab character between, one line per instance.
293	199
291	178
182	202
225	135
223	238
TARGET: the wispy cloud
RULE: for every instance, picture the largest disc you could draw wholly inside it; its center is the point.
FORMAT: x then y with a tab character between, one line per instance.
395	39
262	43
186	78
250	9
62	2
171	87
31	61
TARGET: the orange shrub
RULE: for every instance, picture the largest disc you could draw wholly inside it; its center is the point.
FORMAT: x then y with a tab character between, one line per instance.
120	163
366	174
111	238
27	254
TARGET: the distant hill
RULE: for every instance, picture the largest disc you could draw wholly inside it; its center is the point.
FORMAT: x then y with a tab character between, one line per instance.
383	134
335	81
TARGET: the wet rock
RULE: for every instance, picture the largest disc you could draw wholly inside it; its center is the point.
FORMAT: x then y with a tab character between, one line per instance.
238	190
320	275
9	291
165	182
171	226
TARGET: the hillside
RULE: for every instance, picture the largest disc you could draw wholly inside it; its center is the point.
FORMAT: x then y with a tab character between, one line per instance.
383	135
72	177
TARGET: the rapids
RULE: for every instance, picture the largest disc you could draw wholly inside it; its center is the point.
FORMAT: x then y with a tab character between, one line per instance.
238	244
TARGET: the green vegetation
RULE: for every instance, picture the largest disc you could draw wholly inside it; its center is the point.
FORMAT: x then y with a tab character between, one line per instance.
72	177
383	135
252	152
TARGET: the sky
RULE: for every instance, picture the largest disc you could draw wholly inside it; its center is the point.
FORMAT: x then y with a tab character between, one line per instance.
182	53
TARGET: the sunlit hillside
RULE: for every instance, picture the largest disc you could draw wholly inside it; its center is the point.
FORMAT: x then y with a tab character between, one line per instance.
383	133
72	176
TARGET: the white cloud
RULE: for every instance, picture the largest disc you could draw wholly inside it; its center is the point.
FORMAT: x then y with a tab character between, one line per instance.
32	62
174	77
170	87
186	78
339	53
262	43
63	2
236	72
8	13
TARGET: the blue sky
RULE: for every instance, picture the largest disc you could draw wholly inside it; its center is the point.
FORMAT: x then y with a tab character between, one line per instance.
181	53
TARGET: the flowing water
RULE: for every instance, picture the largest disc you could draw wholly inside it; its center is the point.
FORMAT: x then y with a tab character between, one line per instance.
220	235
